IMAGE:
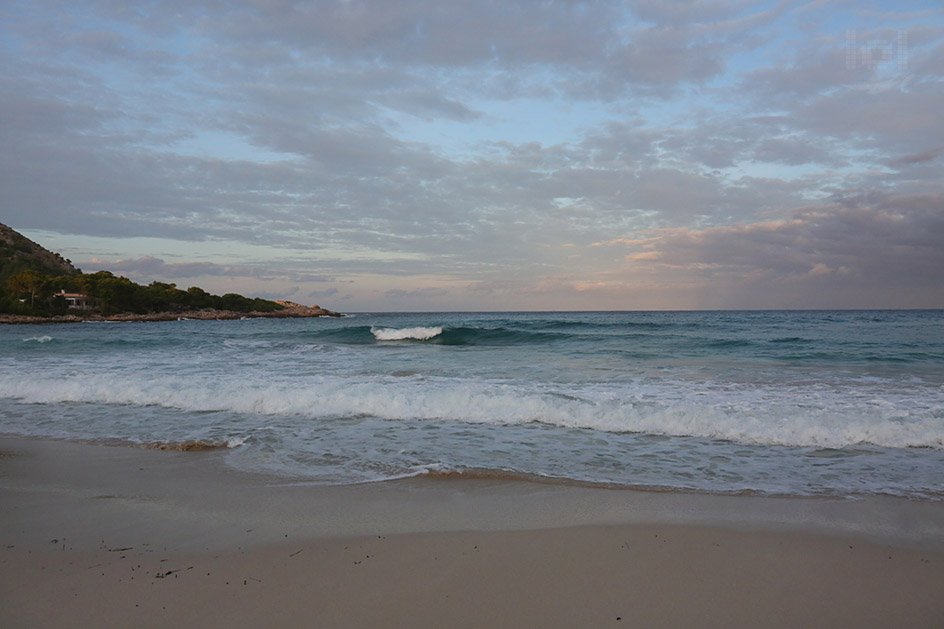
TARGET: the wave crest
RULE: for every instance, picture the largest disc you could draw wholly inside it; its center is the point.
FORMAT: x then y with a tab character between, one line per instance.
38	339
395	334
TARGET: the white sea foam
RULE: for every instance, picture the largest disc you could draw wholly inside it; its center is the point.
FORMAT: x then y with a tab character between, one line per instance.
756	416
394	334
38	339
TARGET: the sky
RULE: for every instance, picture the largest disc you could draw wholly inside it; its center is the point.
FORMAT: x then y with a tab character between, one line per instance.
427	155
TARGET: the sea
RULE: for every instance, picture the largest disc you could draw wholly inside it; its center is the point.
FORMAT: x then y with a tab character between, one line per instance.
784	403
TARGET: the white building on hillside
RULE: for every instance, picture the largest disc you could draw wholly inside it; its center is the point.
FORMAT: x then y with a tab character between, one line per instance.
77	301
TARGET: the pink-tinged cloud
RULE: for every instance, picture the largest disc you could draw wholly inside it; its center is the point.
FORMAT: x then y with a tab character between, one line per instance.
842	254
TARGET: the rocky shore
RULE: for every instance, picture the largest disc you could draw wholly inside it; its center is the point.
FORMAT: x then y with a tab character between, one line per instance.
290	311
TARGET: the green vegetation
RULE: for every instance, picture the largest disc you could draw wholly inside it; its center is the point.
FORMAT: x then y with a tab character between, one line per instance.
31	292
18	253
31	278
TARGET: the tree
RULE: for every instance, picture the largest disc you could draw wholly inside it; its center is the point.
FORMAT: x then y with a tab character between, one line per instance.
29	281
116	293
199	298
32	292
161	296
88	282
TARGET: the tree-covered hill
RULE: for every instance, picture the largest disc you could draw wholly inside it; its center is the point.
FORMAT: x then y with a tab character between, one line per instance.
19	253
32	277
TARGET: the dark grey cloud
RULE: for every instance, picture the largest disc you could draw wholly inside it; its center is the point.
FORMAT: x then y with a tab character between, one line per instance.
917	158
428	32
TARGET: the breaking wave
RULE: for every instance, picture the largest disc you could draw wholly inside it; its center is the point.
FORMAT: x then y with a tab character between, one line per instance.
749	415
394	334
438	335
38	339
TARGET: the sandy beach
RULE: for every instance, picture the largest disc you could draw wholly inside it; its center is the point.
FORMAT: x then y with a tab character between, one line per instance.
116	536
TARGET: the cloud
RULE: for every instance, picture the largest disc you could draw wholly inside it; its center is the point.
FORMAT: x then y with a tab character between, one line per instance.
468	141
865	245
320	294
689	11
812	71
420	31
151	267
419	293
917	158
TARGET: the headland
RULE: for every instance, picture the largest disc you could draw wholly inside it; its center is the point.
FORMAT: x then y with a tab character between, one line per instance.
290	310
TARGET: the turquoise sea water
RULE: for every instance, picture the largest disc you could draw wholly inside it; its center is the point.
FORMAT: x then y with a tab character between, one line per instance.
834	403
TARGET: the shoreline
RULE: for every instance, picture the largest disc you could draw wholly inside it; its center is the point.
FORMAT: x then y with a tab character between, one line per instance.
291	312
187	481
122	536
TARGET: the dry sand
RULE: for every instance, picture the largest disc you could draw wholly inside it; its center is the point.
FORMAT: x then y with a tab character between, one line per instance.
128	537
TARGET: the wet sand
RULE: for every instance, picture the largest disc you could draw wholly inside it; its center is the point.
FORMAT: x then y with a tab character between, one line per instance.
121	536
